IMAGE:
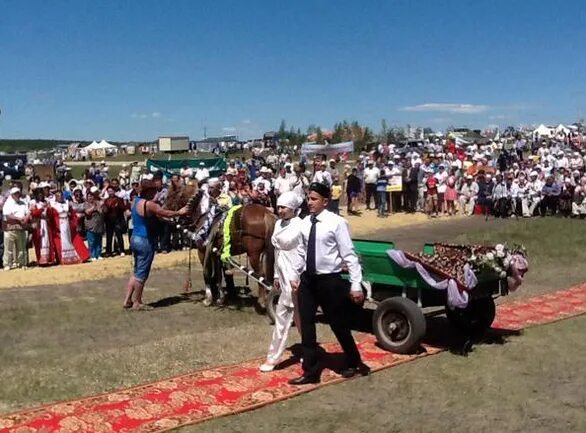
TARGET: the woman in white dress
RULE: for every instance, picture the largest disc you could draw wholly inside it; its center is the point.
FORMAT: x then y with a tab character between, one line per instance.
285	239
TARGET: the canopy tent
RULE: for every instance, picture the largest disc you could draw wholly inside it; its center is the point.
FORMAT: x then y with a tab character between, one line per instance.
562	128
106	145
543	131
102	145
216	166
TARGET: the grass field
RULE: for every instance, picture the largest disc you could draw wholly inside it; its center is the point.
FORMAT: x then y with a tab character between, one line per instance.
67	341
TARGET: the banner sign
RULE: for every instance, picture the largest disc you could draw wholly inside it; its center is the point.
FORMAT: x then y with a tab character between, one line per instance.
328	149
395	183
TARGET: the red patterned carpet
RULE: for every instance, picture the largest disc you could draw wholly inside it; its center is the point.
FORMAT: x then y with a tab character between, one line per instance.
219	391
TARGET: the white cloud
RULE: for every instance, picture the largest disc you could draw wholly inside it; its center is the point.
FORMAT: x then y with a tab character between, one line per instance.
228	129
246	122
447	108
498	117
154	115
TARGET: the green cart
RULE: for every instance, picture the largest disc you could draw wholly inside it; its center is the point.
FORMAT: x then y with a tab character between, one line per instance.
402	299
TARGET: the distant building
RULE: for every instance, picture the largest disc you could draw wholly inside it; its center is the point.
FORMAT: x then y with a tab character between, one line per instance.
210	143
173	144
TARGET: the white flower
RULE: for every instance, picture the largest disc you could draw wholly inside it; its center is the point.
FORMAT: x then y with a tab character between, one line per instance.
490	256
500	254
500	248
507	262
503	274
498	269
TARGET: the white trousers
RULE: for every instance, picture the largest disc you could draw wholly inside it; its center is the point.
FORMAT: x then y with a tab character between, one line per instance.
466	205
283	321
579	209
528	205
15	251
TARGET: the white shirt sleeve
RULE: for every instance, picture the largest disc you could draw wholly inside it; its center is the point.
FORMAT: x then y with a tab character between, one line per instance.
346	249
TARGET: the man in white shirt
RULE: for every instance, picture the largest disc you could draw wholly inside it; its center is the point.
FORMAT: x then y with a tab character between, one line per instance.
371	174
326	248
231	169
202	172
15	217
467	195
263	178
322	175
282	183
533	198
186	173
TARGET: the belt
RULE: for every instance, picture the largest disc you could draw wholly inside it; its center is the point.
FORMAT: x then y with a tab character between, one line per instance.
322	276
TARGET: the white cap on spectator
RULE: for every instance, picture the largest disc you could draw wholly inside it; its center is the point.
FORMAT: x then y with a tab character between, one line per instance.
533	173
14	190
94	189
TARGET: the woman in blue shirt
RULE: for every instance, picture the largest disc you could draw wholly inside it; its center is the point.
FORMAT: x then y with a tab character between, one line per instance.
145	212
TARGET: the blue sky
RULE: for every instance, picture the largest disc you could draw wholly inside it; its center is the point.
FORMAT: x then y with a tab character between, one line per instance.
134	70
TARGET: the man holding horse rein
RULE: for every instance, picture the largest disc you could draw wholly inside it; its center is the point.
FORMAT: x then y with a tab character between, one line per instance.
326	248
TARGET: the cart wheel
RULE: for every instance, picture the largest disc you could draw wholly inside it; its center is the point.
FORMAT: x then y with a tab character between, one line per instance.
475	318
399	325
272	300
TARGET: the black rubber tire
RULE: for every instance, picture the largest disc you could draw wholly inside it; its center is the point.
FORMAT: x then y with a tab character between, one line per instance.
272	300
476	318
408	321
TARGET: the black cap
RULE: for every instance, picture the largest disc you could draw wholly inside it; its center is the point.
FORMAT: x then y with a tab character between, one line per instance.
321	189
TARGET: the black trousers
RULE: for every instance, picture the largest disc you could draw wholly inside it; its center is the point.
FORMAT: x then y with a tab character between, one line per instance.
410	198
332	294
114	229
549	202
370	190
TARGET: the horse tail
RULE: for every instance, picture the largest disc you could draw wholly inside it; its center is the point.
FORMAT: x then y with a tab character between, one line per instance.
269	250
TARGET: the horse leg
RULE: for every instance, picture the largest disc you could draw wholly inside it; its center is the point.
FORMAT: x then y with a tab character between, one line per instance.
209	297
255	264
229	280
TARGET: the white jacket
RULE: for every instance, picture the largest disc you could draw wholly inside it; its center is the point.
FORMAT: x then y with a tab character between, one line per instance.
286	239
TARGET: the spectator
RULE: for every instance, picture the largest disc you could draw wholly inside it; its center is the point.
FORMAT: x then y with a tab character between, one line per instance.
94	223
16	219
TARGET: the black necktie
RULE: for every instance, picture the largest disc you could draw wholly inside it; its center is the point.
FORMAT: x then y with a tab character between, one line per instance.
310	268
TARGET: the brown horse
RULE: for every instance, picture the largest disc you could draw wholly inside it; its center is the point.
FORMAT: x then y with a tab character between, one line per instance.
251	228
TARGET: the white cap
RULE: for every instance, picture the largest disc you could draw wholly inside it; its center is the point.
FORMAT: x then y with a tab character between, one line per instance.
94	189
213	181
289	199
533	173
14	190
44	185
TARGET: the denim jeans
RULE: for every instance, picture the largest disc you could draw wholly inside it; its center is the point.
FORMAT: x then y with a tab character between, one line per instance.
143	250
382	202
94	241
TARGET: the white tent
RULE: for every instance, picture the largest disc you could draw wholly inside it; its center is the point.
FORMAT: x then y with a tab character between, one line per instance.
102	145
105	145
562	128
543	131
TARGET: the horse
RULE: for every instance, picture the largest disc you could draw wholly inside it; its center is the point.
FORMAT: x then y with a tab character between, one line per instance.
251	229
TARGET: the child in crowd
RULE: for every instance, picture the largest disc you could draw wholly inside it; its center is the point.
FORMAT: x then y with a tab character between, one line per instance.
381	191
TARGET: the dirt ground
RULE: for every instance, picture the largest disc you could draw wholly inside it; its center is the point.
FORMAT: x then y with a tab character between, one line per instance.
70	340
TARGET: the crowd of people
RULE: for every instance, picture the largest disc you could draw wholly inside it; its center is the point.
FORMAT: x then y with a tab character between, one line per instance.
72	221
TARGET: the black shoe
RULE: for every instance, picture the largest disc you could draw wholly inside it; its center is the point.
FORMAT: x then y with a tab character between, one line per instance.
362	370
304	380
